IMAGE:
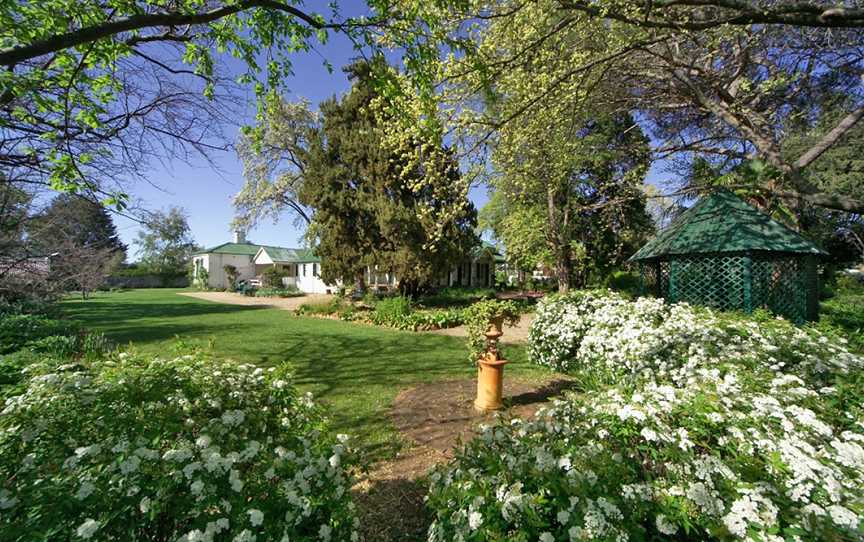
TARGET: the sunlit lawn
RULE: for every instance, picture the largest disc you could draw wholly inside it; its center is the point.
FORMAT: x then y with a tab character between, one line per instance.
356	370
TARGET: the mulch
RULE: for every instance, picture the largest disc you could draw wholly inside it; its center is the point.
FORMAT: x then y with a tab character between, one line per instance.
434	418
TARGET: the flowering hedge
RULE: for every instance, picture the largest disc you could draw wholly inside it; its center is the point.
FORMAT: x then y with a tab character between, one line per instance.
602	336
694	426
185	449
730	456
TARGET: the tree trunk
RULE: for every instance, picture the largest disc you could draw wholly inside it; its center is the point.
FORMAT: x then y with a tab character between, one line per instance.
563	270
360	284
558	229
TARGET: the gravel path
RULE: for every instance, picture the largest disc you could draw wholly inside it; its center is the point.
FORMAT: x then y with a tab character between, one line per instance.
286	303
512	334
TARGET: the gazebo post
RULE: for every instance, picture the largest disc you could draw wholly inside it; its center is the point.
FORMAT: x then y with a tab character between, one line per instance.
747	279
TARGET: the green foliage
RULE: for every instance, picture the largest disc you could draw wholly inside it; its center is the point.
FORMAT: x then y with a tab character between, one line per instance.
82	96
374	203
842	316
231	274
166	243
273	276
148	449
456	297
625	282
20	331
688	425
390	310
520	227
287	291
479	316
323	307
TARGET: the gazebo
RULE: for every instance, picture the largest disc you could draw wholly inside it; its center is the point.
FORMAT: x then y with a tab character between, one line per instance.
725	254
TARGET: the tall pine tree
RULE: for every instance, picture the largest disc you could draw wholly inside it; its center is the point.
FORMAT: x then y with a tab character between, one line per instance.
375	206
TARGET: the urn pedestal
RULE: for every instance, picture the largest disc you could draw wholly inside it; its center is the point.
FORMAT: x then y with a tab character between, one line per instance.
490	371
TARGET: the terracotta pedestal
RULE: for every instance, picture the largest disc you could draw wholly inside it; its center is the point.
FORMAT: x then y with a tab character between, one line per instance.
490	384
490	371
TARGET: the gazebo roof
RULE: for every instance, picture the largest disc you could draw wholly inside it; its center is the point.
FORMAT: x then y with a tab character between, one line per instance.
723	222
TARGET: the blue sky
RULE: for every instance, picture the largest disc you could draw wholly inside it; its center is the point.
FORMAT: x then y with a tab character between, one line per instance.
206	193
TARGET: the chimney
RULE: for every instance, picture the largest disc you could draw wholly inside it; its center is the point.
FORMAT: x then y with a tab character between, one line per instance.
239	236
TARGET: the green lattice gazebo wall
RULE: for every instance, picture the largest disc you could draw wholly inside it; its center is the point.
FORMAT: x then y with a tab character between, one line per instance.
724	254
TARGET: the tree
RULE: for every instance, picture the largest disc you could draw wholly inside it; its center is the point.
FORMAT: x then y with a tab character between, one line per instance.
520	228
274	157
373	203
584	176
711	79
166	243
71	219
92	90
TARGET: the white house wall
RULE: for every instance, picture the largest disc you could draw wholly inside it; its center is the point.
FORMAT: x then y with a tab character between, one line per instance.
215	262
309	283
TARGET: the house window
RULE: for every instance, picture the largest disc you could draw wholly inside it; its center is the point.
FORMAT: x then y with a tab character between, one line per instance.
314	269
304	269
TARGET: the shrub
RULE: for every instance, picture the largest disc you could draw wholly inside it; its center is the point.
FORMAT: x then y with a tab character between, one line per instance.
324	307
184	449
287	291
391	311
456	297
18	331
692	425
272	276
600	335
624	282
477	319
733	454
232	274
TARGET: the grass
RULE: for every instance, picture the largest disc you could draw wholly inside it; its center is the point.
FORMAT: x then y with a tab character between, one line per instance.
356	370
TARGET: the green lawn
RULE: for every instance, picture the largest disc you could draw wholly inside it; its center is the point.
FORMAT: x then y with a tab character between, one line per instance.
356	370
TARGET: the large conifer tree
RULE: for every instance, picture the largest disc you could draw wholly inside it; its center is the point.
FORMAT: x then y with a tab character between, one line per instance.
372	205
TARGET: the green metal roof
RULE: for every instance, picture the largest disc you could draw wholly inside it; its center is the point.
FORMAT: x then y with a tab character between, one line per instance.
243	249
486	247
723	222
291	255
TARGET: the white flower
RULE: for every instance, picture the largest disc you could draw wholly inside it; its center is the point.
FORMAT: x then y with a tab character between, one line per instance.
563	517
256	517
324	533
7	501
88	528
475	520
203	441
245	536
130	465
665	526
334	461
547	537
843	516
85	491
144	505
648	434
197	487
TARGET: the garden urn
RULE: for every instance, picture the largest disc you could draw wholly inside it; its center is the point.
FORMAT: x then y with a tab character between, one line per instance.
490	371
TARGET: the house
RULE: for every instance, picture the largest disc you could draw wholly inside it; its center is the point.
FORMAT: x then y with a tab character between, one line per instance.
212	261
301	265
303	268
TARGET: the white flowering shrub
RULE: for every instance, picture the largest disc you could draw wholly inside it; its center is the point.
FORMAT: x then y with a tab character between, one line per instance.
559	325
187	449
734	454
692	425
603	338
